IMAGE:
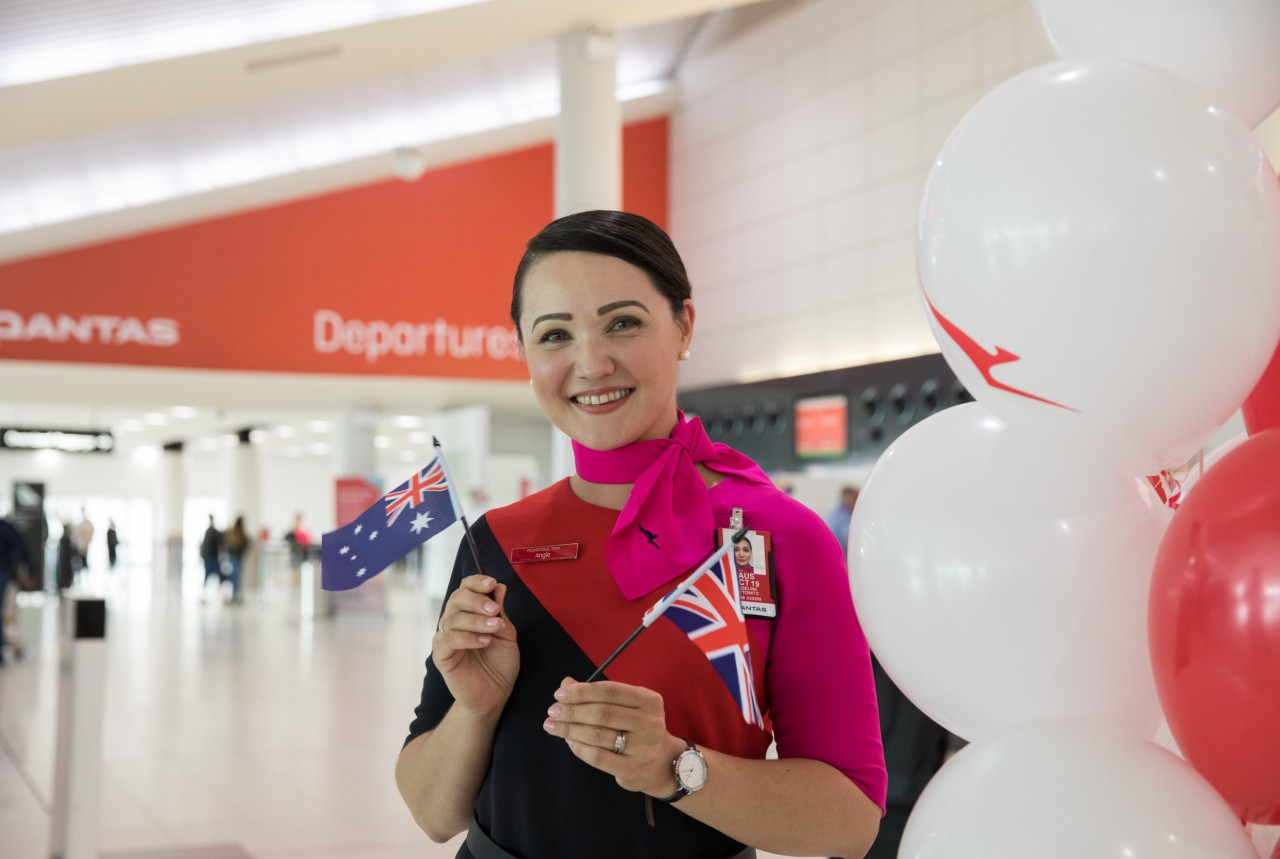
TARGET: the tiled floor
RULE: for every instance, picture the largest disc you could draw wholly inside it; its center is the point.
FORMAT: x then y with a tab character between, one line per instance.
240	727
227	730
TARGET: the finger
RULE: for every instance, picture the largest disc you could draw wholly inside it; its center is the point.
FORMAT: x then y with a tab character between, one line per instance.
479	583
609	716
597	736
471	602
605	692
469	621
602	759
499	598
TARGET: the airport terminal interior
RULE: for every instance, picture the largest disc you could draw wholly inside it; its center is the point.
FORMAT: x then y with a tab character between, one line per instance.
248	249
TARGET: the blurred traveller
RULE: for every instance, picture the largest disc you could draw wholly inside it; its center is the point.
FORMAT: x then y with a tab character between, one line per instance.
211	553
237	545
839	517
15	564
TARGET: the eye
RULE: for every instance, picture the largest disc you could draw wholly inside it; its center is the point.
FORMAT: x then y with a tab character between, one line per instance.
554	335
624	323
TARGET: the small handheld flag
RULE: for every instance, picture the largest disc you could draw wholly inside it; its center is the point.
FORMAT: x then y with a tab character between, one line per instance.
707	608
403	519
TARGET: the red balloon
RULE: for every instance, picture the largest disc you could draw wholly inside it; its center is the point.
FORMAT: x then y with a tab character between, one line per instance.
1261	410
1214	627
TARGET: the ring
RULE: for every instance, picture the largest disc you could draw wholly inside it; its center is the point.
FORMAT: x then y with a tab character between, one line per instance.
619	742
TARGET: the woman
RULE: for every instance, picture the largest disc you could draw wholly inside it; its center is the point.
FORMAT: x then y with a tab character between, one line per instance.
237	545
742	556
655	759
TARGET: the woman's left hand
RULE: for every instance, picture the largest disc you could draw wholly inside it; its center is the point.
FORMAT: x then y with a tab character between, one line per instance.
598	718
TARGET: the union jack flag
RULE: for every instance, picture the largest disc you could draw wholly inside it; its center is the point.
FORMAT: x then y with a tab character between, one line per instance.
414	491
379	537
710	613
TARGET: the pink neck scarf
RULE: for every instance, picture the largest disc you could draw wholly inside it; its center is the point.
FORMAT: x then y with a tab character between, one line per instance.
666	527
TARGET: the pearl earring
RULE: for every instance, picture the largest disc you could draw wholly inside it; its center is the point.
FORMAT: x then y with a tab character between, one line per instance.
685	355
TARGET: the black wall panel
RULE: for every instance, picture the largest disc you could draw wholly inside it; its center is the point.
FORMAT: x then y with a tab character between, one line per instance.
758	418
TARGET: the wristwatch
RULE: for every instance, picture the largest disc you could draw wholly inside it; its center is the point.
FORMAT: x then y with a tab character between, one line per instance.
690	769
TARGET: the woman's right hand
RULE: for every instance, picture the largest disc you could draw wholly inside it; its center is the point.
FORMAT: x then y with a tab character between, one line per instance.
474	647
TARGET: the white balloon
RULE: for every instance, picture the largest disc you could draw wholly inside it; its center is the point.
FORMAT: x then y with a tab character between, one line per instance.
1054	791
999	582
1100	250
1227	47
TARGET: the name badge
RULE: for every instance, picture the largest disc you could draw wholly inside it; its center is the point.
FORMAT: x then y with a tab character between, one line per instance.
538	554
752	557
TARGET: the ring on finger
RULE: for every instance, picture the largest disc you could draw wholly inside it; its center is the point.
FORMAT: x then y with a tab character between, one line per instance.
620	742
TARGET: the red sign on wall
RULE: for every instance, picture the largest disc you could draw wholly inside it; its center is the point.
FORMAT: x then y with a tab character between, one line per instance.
397	278
822	427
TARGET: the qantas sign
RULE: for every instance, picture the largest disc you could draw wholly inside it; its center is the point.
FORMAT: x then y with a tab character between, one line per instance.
96	328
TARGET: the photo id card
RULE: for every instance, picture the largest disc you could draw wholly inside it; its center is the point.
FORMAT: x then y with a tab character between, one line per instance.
752	557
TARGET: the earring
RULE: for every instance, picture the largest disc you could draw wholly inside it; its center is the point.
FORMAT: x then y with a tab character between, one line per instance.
685	355
531	381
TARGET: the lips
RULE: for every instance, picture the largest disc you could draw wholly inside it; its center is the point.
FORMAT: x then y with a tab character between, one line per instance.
602	399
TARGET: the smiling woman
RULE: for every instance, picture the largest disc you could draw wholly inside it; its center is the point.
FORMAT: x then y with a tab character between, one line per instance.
602	348
666	755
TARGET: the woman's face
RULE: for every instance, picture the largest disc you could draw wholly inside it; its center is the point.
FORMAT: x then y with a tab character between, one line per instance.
742	553
602	348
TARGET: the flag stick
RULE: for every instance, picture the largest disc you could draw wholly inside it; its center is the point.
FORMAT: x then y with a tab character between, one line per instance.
466	526
663	604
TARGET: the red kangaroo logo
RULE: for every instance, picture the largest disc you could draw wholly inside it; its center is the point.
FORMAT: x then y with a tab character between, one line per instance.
986	361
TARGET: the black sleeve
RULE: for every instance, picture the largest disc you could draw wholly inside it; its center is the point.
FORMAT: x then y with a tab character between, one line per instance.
436	698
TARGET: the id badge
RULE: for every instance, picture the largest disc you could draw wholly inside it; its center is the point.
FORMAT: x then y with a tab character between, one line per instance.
752	558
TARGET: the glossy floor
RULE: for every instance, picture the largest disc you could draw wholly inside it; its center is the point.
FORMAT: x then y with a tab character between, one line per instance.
244	726
227	725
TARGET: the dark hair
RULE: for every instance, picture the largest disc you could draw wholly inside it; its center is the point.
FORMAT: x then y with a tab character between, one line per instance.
630	238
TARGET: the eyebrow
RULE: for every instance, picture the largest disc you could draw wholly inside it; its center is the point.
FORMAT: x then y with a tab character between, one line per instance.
608	308
630	302
567	317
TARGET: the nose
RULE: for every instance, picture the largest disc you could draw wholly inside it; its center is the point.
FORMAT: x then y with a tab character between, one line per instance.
593	359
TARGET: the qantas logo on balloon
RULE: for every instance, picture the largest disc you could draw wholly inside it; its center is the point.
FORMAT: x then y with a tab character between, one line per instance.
986	361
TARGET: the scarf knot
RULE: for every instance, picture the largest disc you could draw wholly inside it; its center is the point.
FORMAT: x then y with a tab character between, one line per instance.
665	529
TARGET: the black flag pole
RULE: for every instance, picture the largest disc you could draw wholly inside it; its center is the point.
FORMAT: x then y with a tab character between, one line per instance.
663	604
466	526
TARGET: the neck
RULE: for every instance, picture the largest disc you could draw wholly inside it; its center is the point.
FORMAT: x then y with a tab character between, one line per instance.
611	495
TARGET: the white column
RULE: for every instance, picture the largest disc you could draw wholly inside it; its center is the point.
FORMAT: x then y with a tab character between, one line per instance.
173	501
245	491
354	452
589	133
77	785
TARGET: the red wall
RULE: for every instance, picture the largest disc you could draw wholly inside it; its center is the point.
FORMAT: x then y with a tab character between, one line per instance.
423	269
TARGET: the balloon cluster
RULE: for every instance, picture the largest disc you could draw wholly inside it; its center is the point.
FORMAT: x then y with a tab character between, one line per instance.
1099	251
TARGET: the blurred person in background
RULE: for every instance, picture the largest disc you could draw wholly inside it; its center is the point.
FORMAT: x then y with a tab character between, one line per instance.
211	553
15	565
839	516
237	540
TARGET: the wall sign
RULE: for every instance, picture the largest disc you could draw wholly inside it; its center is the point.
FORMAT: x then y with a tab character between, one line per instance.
388	279
67	441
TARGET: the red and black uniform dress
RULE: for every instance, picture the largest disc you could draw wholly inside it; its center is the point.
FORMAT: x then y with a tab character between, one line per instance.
538	800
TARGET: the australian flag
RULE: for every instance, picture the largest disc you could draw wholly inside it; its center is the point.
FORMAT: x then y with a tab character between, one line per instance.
404	518
709	612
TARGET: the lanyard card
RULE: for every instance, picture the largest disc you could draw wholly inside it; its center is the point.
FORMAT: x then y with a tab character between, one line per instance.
752	557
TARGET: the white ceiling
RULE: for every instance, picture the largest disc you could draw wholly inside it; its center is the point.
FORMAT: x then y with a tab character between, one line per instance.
122	116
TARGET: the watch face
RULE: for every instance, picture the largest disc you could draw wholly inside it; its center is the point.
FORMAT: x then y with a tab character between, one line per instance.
691	770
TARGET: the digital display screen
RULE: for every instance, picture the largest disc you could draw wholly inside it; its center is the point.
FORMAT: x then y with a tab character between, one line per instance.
822	427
